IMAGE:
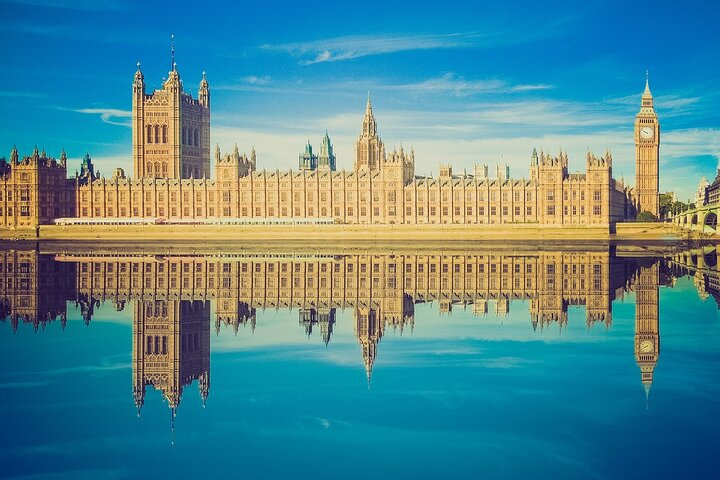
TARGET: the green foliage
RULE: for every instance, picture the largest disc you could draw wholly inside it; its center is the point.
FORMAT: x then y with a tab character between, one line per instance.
677	207
666	204
646	216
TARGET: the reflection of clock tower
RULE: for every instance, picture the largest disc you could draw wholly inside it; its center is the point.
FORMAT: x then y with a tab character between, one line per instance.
647	334
647	155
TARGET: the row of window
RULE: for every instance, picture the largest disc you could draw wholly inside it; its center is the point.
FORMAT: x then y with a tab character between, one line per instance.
225	267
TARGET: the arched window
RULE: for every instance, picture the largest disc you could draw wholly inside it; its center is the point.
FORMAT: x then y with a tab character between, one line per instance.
157	134
164	169
149	169
197	137
184	135
157	169
197	172
149	134
164	133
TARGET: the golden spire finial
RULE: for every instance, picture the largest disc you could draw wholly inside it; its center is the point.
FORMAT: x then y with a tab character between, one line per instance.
172	52
647	93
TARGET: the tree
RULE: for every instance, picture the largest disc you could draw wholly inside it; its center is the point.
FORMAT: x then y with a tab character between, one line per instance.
646	216
666	203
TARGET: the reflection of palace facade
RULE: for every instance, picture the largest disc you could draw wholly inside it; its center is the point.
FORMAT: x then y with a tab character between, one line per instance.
171	297
171	348
172	180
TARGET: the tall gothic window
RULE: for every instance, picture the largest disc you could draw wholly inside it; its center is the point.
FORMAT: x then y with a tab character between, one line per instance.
164	133
184	135
197	138
157	134
149	134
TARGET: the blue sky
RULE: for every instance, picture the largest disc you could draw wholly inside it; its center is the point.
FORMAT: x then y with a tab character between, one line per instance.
462	82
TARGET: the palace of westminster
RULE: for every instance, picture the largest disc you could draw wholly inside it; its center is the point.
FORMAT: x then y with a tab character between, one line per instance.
174	297
172	179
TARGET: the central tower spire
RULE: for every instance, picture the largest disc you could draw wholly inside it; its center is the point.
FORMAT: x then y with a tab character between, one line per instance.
369	150
369	125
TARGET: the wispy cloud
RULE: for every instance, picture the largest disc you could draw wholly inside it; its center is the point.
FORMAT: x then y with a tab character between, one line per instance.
255	80
667	105
356	46
85	5
460	87
448	83
107	115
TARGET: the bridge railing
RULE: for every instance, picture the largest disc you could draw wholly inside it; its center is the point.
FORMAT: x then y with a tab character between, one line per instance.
699	219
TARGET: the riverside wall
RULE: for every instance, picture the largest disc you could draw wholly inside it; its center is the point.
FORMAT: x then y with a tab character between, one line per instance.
631	231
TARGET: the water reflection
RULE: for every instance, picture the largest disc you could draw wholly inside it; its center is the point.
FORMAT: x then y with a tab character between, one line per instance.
176	298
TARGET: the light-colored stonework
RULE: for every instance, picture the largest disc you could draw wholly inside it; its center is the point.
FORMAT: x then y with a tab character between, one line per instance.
647	155
171	180
171	296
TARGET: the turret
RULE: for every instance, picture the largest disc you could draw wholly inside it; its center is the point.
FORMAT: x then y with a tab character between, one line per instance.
87	169
369	149
204	91
138	82
306	160
534	165
326	157
204	386
369	125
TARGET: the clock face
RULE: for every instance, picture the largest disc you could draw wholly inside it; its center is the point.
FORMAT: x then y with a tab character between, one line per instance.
646	132
646	346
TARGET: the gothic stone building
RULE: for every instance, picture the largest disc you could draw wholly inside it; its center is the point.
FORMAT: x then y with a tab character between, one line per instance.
172	180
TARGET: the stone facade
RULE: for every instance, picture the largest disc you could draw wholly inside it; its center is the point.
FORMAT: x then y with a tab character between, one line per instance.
172	179
34	190
171	130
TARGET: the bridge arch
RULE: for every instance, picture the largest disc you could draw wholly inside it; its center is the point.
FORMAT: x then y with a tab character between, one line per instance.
710	257
694	221
710	221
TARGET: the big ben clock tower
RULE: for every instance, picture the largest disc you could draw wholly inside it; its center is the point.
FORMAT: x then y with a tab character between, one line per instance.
647	331
647	155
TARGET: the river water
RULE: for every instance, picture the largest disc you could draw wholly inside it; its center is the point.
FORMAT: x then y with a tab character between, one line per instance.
464	362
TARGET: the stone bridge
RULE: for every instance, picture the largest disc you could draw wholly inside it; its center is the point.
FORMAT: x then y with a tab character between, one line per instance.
702	264
703	259
702	219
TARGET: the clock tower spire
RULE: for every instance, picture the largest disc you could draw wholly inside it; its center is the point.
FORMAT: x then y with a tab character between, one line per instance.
647	155
647	331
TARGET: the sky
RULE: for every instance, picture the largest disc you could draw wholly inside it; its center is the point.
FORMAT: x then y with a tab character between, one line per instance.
460	82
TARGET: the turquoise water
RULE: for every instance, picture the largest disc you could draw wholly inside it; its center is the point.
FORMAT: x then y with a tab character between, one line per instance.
388	371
